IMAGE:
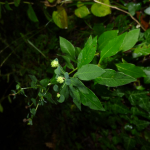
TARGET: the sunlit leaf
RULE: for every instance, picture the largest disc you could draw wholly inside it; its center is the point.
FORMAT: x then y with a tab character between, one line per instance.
112	47
89	72
105	38
130	39
60	17
100	10
82	11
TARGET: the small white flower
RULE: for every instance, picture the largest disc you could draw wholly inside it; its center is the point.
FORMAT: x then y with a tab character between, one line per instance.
49	83
58	95
54	63
137	26
60	79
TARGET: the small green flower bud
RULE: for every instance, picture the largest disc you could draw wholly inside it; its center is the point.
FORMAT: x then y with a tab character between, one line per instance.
58	95
54	63
60	79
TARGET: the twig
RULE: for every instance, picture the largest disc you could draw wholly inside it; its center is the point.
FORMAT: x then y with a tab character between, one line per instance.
122	11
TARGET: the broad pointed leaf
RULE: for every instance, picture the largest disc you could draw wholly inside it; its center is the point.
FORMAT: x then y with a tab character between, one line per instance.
130	39
91	100
88	52
78	84
31	14
131	69
105	38
112	78
60	17
112	47
67	47
75	94
89	72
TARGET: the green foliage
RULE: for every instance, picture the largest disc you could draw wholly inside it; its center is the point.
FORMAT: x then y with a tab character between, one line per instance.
92	79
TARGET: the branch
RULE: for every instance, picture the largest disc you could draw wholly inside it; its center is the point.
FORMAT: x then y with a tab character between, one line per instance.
122	11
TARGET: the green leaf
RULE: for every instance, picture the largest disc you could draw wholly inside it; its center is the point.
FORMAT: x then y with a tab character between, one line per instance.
88	52
121	109
48	96
131	8
91	100
147	35
61	99
130	39
60	17
89	72
116	140
67	62
16	2
51	1
59	70
100	10
112	47
33	101
1	108
64	91
33	78
141	50
7	6
129	143
44	82
67	47
33	111
31	14
56	88
75	94
82	12
136	112
144	104
78	84
105	38
147	72
147	11
112	78
131	70
134	96
140	124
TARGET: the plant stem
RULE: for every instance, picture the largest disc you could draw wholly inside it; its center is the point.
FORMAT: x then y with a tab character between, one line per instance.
73	70
122	11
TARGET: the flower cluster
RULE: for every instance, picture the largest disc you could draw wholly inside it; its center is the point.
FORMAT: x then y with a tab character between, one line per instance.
54	63
60	79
